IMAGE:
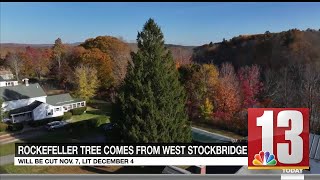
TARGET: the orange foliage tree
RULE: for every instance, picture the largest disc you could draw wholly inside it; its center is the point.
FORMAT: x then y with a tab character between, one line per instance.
227	94
102	62
118	51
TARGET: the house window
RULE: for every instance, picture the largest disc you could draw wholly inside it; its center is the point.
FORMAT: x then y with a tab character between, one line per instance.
65	108
78	104
57	109
74	106
82	103
50	113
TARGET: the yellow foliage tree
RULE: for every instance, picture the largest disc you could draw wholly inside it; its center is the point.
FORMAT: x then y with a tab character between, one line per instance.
210	75
87	81
206	109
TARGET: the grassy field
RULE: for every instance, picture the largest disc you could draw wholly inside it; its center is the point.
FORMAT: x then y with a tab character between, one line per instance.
95	108
7	149
11	169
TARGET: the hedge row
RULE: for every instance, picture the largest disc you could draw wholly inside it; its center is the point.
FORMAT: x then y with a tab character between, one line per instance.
15	127
3	127
11	127
78	111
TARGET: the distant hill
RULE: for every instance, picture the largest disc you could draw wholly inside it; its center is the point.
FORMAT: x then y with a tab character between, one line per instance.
178	51
272	50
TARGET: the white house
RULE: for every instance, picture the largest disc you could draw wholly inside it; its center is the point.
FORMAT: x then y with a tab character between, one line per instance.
7	78
29	102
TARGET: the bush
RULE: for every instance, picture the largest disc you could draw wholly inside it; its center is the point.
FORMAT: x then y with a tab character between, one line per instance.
3	127
66	116
78	111
15	127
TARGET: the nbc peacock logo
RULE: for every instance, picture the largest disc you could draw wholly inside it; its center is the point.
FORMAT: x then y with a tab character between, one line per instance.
264	159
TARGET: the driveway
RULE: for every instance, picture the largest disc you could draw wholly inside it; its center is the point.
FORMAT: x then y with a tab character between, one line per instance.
14	137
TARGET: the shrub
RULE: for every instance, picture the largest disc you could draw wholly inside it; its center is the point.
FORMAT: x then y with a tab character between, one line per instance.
66	116
3	127
78	111
15	127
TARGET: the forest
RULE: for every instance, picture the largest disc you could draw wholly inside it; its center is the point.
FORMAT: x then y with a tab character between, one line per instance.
220	80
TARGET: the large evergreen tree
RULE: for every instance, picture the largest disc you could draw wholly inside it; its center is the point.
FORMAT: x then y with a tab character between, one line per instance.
151	102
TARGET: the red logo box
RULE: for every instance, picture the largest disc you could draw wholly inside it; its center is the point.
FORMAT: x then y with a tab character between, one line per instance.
278	138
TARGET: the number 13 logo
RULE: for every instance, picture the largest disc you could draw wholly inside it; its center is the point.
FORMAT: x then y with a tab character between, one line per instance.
278	138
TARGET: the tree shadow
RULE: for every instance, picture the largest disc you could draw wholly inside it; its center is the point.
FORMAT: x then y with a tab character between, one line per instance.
9	95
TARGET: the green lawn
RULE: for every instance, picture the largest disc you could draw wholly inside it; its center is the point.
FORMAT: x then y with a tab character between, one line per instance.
95	108
7	149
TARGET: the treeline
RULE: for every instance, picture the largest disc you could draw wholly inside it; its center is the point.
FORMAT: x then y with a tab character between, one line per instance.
221	81
268	50
220	95
104	58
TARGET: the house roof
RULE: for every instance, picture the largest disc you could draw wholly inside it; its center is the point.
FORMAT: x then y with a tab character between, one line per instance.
10	93
27	108
61	99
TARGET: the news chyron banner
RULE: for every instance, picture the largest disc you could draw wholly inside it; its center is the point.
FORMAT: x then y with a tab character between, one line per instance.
278	138
151	154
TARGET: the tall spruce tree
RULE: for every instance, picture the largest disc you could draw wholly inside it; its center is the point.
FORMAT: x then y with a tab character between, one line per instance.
151	102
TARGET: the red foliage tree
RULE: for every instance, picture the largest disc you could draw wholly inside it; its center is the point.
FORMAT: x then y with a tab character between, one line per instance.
250	85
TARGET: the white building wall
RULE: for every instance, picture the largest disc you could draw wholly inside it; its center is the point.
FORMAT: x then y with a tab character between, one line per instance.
68	107
41	112
9	105
8	83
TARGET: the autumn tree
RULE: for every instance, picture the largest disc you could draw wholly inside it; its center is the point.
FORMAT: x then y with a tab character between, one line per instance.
250	84
118	51
151	104
206	109
190	78
209	76
14	61
38	61
227	95
58	52
200	82
87	81
71	59
310	91
102	63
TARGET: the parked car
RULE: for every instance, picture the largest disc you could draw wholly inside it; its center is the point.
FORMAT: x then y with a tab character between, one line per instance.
55	125
6	120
